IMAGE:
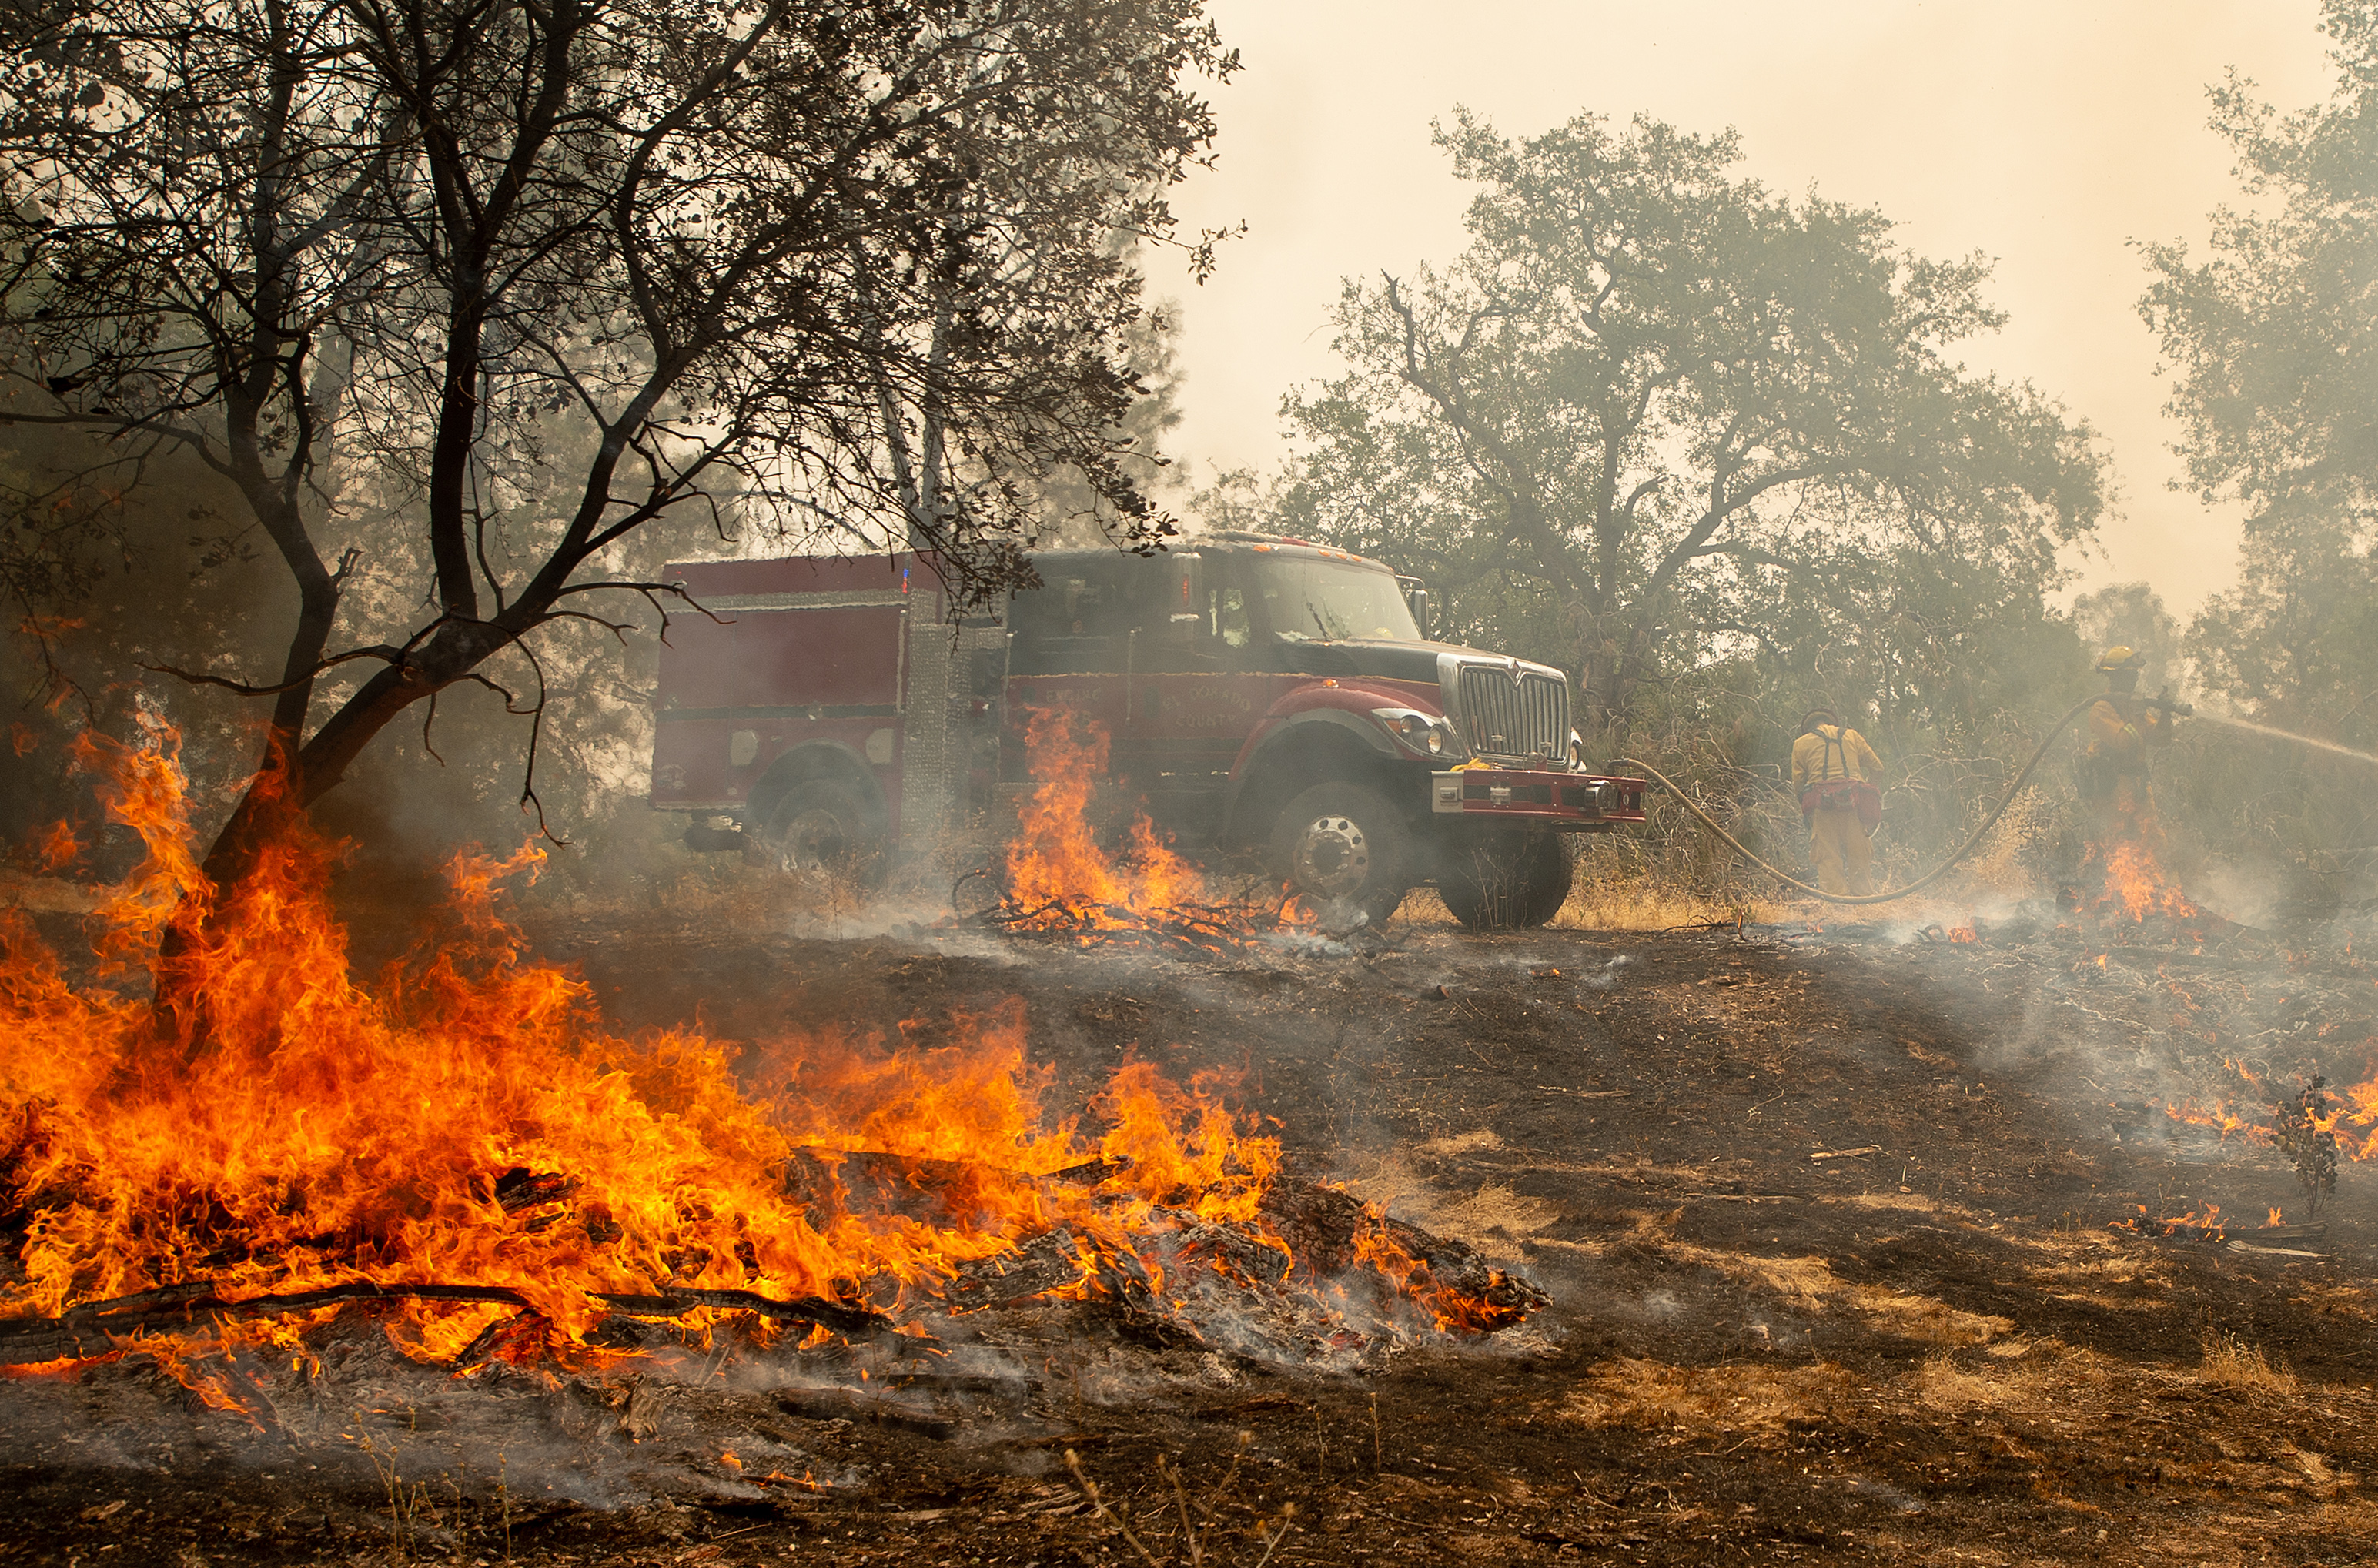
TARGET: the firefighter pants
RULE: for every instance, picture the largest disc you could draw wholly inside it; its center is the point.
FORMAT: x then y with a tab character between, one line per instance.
1837	844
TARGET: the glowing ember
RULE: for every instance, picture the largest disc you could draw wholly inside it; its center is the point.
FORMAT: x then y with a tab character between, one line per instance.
269	1127
2222	1118
1456	1311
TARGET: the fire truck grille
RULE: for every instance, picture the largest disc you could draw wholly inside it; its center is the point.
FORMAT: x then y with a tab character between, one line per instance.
1501	718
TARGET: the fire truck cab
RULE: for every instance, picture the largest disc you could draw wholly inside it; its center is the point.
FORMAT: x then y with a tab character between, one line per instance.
1259	694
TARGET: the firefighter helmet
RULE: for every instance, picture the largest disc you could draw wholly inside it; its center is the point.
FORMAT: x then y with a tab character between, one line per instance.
2119	657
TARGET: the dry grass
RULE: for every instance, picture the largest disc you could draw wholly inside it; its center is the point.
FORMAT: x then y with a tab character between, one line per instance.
1454	1144
1925	1319
1629	1392
1905	1203
1810	1285
1423	907
1494	1218
2231	1362
1944	1385
1646	904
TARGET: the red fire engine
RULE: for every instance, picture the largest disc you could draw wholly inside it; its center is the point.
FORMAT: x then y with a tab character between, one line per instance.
1261	694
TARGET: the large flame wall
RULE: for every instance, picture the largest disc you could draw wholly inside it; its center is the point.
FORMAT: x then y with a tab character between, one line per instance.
268	1122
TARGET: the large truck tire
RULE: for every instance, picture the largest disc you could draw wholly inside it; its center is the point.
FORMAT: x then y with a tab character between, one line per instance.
823	826
1346	852
1506	881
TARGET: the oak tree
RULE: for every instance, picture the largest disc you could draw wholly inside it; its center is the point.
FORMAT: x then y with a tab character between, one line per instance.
2272	338
1671	414
489	288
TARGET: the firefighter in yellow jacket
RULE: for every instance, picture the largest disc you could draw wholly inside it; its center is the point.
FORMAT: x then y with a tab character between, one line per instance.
1835	771
2123	727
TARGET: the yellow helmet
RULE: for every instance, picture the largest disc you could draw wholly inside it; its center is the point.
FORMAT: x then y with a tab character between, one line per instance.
2119	657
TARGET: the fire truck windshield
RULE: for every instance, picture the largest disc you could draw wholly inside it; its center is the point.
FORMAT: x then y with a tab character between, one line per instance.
1320	601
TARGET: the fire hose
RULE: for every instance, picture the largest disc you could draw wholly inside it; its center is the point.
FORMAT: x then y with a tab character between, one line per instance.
1971	841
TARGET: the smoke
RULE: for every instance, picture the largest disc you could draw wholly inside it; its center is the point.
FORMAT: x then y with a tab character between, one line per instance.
2247	892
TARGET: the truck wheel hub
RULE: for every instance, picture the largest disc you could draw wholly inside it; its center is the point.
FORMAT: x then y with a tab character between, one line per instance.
814	838
1333	858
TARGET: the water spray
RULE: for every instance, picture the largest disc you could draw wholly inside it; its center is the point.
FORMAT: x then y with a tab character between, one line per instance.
2368	757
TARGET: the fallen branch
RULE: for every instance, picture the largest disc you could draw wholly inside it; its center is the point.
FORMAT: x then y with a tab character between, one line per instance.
93	1327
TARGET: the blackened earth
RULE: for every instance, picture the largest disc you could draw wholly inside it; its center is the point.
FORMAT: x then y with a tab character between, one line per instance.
1936	1350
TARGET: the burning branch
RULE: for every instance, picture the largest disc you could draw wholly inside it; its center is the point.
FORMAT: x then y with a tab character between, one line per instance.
1057	880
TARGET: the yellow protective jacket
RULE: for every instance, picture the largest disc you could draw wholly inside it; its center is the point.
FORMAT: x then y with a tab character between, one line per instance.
1828	753
2121	730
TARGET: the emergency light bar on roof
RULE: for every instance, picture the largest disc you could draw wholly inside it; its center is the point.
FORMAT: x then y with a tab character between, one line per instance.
1267	542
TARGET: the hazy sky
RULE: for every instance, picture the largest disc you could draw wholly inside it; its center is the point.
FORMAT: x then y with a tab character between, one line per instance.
2047	135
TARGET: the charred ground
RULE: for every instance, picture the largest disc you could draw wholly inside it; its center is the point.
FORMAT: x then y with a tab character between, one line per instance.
1937	1348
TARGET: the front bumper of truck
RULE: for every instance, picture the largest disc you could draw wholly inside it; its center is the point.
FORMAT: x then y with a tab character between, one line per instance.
1545	799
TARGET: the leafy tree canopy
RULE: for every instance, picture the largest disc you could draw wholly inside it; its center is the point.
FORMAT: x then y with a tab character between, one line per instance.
2272	341
1658	415
466	294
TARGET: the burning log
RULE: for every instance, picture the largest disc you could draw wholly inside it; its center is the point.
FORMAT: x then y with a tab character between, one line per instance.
849	1322
97	1328
877	1181
1330	1230
1043	1265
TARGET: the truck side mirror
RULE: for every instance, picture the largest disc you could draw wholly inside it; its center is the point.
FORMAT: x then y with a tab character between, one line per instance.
1418	599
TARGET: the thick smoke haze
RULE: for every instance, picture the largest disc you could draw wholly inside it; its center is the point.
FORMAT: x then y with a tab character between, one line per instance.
2049	136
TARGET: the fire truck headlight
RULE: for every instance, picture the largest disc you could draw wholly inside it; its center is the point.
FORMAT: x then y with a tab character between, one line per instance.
1576	750
1430	737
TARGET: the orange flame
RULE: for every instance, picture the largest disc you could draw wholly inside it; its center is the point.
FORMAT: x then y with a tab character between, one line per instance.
1060	881
2222	1118
55	848
2348	1114
1455	1311
2135	882
1055	868
268	1125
